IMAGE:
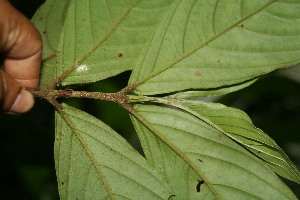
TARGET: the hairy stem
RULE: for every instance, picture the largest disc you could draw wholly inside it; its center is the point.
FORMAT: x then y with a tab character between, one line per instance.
51	95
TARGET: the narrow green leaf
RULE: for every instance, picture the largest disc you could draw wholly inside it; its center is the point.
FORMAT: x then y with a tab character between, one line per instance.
103	38
210	92
94	162
49	20
228	170
238	126
210	44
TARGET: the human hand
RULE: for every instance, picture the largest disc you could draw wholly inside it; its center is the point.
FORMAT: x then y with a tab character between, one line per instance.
20	59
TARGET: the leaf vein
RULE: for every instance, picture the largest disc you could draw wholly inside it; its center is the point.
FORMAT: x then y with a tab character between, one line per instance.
109	147
175	149
259	177
281	17
87	150
203	44
61	77
186	23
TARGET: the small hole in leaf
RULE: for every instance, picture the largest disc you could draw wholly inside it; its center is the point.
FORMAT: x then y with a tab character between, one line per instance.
120	55
242	25
198	187
44	32
200	160
62	183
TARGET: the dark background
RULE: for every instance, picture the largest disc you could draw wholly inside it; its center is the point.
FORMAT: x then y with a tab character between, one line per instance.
27	169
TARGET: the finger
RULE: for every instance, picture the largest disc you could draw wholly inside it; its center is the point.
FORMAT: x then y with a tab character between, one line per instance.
23	103
26	71
14	98
21	45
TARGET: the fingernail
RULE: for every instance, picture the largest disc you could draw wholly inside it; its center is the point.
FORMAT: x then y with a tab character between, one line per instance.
23	103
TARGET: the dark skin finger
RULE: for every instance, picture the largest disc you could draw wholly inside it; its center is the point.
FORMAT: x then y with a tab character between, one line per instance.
21	51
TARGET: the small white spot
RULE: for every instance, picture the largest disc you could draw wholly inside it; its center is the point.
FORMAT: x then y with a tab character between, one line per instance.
82	68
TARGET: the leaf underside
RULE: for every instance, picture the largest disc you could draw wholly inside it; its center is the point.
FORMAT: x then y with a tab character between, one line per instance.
103	38
49	20
238	126
176	142
94	162
210	44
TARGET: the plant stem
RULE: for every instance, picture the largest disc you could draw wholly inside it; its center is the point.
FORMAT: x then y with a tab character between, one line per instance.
49	95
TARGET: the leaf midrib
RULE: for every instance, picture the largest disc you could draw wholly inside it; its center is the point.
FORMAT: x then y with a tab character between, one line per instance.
203	44
148	125
188	161
217	127
120	153
65	117
229	134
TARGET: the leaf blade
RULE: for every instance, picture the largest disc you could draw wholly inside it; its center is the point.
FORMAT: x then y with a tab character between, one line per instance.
104	38
93	162
209	152
206	65
49	20
213	92
238	126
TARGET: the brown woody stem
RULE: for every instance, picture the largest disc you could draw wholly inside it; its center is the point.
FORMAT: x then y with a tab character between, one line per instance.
50	95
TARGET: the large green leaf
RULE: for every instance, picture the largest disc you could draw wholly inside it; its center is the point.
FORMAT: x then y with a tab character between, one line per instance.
210	44
94	162
103	38
187	151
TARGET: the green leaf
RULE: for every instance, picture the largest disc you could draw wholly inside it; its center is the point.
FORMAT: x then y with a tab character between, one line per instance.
103	38
210	44
238	126
49	20
180	176
210	92
94	162
177	142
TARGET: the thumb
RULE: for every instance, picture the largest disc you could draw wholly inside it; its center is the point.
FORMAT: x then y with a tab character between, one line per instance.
13	97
